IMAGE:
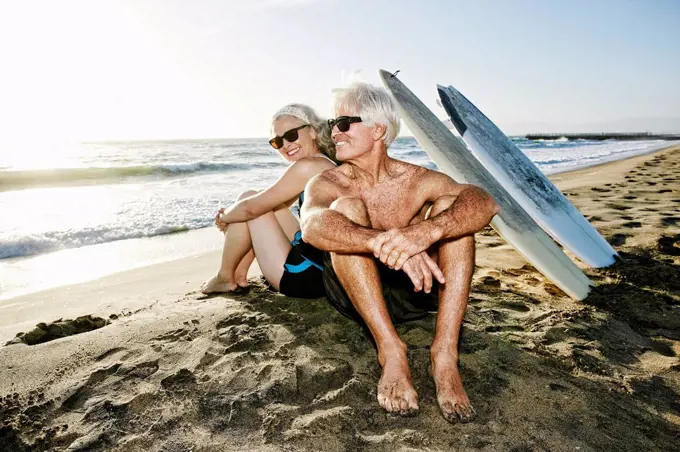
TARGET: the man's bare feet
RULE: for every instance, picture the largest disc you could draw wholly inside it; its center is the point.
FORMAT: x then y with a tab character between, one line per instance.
218	284
451	396
396	393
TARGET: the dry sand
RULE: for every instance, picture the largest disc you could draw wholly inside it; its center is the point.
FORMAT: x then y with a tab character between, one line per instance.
178	371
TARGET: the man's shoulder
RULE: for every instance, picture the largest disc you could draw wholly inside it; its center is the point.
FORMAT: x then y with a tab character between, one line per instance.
417	171
425	178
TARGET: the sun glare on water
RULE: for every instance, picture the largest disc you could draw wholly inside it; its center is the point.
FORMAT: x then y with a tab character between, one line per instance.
37	154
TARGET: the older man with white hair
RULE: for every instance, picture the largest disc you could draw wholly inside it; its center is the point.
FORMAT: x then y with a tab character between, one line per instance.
399	243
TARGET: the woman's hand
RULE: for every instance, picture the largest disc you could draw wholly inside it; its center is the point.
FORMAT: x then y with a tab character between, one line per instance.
221	225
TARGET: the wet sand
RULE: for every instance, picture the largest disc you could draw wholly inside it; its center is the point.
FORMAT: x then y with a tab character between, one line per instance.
158	366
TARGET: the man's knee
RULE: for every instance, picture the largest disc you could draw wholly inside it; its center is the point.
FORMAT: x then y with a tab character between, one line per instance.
246	194
352	208
441	204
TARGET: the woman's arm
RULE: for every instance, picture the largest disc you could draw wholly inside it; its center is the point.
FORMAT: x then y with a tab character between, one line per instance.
283	191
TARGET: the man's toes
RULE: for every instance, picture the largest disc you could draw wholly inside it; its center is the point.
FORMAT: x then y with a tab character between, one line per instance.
466	413
395	406
382	401
449	412
412	407
403	405
455	413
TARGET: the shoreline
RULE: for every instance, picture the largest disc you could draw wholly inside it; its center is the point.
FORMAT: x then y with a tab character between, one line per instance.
23	275
22	310
168	368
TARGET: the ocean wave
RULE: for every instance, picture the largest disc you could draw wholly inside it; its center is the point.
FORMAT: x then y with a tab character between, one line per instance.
93	175
60	240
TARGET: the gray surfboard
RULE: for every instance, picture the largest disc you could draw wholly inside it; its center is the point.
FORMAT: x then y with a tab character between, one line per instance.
513	223
525	182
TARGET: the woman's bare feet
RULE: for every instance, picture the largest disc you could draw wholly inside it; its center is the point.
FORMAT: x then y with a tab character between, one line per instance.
396	393
218	284
241	272
451	396
241	279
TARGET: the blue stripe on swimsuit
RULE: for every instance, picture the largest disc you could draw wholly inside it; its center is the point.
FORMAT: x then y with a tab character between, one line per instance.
297	238
299	268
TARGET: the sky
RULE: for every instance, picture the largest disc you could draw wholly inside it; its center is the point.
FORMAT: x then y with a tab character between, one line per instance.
170	69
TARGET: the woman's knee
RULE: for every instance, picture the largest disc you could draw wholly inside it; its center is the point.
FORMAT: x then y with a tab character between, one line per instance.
352	208
246	194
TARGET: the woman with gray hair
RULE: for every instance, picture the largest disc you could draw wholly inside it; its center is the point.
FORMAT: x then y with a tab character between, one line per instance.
260	224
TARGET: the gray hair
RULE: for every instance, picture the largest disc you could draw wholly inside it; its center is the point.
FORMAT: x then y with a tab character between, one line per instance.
307	115
373	104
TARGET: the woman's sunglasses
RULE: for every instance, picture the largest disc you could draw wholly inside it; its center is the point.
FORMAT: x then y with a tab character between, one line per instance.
290	136
343	122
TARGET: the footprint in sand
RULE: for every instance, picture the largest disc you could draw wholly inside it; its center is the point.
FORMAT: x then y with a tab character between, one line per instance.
175	336
651	183
489	282
601	190
629	197
617	239
553	290
503	328
531	281
238	338
517	307
110	353
670	245
626	217
663	348
86	388
670	221
666	190
632	224
619	207
182	381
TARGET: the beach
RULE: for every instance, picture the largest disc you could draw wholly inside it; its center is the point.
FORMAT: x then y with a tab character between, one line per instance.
150	363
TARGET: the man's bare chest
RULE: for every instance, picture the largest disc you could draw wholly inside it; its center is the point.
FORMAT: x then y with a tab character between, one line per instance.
391	204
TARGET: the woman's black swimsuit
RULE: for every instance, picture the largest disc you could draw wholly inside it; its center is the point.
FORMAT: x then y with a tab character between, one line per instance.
303	270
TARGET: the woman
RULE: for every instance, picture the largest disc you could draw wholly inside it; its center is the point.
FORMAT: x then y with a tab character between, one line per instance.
261	225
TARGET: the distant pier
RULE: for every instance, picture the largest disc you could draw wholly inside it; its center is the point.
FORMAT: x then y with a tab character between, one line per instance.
602	136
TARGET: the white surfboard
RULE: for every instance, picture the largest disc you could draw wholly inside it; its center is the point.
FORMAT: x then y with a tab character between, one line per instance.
525	182
512	223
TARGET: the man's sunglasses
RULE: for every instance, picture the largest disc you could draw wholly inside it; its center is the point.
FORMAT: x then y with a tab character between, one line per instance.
343	122
290	136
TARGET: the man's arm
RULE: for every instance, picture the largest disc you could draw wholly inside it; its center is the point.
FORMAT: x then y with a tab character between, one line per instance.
471	212
472	209
329	230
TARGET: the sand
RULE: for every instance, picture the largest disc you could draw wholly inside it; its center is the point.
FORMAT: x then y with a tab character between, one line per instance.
158	366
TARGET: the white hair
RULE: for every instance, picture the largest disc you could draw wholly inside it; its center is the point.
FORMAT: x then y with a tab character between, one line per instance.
373	104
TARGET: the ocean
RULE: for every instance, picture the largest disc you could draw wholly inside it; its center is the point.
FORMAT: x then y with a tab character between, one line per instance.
91	209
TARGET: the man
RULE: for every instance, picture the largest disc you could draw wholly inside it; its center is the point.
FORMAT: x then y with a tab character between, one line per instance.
391	231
